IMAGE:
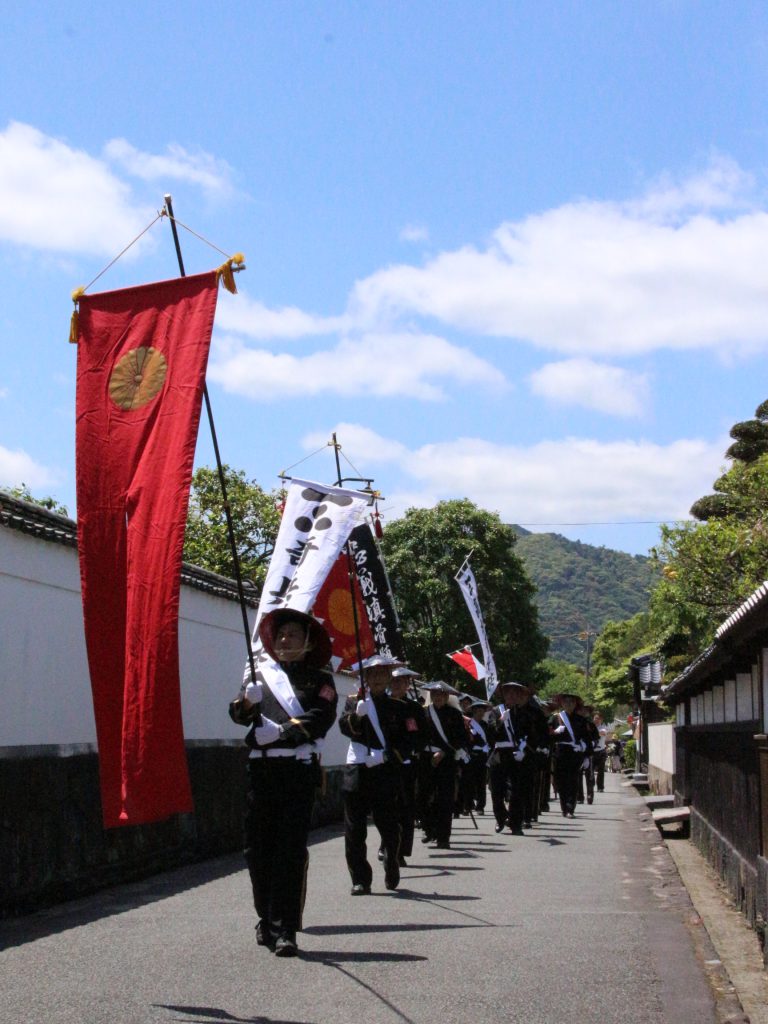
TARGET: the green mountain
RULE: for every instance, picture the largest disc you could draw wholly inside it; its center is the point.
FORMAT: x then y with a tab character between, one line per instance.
581	587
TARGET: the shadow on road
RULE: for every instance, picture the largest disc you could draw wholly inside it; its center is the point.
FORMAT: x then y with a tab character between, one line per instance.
214	1015
350	956
395	926
116	900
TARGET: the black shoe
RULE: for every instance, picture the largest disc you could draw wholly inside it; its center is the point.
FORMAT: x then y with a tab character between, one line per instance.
499	828
392	880
442	846
286	944
427	839
402	862
590	799
265	936
517	832
580	800
381	854
601	791
527	824
571	814
545	807
360	890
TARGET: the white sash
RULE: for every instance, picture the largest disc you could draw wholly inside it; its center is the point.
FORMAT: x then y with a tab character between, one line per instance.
438	726
478	730
508	725
279	685
564	719
373	714
358	753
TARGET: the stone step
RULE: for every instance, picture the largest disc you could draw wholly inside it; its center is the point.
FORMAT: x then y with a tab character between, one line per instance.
660	802
670	815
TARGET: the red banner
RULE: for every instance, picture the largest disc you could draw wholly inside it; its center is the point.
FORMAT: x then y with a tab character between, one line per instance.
333	608
142	354
466	659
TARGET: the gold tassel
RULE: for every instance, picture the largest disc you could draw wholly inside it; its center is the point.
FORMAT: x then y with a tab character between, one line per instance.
74	323
226	272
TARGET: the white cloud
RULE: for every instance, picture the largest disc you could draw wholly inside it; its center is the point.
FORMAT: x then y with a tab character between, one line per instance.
571	480
60	199
360	444
679	267
583	382
384	365
414	233
17	468
247	316
177	163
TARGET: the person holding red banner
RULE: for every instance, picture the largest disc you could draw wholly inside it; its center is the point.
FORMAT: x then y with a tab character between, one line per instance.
297	701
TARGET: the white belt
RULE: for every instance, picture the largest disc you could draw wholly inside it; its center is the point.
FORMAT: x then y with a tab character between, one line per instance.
505	744
274	752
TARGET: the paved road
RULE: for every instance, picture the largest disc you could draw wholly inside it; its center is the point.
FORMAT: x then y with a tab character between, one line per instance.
580	921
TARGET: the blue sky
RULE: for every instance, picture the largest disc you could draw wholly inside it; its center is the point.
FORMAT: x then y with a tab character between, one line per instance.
509	251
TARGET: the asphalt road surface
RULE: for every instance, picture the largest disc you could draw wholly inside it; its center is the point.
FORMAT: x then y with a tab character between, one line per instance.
579	921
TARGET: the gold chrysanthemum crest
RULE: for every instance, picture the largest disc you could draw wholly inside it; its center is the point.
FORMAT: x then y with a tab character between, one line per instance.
137	377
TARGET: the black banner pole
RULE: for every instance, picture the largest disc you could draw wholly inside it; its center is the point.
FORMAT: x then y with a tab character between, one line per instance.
222	481
351	575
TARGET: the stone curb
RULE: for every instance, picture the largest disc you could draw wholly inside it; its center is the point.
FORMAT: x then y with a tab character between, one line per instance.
735	943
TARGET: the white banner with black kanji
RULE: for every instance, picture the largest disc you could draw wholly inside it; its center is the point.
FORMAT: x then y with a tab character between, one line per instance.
468	586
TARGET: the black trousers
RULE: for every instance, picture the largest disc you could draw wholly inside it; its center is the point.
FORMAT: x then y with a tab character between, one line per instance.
511	782
598	763
474	782
440	781
407	807
279	810
567	766
373	791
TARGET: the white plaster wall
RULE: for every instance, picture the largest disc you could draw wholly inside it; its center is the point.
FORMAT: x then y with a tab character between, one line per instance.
44	680
661	746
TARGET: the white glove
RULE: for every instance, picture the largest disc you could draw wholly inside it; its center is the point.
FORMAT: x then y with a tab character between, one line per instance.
463	756
254	693
582	746
267	732
518	754
559	730
585	763
362	709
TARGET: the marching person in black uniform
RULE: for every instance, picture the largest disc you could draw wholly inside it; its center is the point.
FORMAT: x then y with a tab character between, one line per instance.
537	757
475	773
600	751
510	763
400	688
297	701
587	773
570	740
447	749
379	736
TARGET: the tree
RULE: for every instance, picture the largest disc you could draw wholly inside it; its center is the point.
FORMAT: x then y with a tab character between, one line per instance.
710	567
423	552
256	519
564	677
52	504
617	644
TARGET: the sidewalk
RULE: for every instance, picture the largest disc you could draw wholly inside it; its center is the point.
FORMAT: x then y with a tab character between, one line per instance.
566	924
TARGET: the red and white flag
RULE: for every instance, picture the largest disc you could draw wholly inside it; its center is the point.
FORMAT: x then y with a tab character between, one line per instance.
142	354
466	659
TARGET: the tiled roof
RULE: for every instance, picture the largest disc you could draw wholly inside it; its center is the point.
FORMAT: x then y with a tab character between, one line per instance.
37	521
